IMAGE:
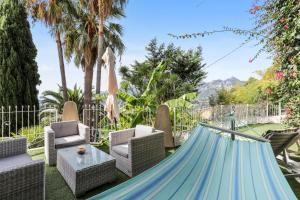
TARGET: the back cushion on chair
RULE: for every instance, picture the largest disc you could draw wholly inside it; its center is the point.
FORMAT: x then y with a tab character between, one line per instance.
63	129
142	130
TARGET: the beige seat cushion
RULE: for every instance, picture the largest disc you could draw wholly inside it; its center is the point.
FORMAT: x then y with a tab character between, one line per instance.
63	129
121	149
69	141
142	131
14	161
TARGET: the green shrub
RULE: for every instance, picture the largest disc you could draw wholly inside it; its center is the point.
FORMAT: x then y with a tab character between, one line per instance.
34	135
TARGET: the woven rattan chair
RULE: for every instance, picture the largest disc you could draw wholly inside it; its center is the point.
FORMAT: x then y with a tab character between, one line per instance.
20	176
64	134
137	149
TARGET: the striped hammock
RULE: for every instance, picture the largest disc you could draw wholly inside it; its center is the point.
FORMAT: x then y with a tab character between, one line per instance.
209	166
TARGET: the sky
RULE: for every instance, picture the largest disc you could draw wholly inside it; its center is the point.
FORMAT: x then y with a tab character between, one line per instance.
146	20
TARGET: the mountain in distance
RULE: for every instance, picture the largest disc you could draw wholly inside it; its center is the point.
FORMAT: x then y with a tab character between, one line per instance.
208	89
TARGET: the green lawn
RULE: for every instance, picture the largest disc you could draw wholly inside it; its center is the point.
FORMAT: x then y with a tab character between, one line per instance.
57	189
258	130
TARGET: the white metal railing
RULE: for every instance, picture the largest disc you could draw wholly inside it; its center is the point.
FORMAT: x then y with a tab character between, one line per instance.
95	117
29	121
184	120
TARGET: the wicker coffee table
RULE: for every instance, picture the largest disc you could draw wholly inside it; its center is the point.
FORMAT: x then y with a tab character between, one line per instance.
87	171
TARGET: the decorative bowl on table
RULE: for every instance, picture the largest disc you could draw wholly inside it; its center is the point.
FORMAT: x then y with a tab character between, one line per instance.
81	150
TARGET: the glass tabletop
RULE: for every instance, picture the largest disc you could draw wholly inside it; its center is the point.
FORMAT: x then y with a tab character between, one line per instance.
92	156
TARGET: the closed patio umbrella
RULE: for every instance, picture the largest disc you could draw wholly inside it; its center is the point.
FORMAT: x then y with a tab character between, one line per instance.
111	106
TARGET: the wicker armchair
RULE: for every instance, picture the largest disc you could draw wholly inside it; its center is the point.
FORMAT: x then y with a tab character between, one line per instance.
137	149
64	134
20	176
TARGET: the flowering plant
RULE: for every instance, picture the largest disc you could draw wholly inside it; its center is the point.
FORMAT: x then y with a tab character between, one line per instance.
278	25
278	30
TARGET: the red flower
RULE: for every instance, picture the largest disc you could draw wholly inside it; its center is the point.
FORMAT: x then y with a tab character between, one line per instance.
286	27
279	75
254	9
282	20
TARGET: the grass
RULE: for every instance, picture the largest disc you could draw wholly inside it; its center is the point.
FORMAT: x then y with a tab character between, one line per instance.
56	187
258	130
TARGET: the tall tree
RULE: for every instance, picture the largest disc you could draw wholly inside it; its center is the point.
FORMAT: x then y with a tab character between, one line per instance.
106	9
18	69
51	13
184	71
81	41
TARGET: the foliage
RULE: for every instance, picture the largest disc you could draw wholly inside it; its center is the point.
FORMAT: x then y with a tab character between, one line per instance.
18	69
253	91
292	110
212	100
55	98
81	39
224	97
136	109
34	135
250	92
251	33
106	10
82	25
142	109
278	30
278	21
52	14
81	33
185	101
183	74
258	90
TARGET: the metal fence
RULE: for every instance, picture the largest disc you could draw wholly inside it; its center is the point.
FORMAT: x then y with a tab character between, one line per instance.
221	115
184	120
95	117
29	121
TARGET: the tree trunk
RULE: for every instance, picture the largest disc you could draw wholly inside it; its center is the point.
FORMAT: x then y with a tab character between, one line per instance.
61	66
99	55
88	82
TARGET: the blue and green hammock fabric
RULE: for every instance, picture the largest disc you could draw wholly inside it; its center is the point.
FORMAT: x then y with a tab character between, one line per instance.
209	166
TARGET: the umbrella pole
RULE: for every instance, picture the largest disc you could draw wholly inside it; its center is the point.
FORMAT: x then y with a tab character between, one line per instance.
115	120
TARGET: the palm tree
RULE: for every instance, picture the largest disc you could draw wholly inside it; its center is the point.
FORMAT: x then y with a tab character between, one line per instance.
80	34
81	41
106	9
51	13
56	99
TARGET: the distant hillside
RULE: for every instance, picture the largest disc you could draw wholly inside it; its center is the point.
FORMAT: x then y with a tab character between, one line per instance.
210	88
